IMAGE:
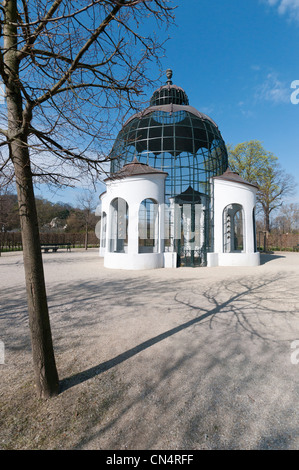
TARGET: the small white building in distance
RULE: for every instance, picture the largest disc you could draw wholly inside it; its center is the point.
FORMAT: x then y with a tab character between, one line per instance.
171	199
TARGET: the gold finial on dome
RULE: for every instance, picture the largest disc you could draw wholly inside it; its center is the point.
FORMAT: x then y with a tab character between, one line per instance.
169	76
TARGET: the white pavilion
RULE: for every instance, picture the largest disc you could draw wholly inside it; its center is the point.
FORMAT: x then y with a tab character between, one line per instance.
171	199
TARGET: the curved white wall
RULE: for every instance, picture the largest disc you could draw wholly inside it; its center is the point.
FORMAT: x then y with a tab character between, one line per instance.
134	261
225	193
134	190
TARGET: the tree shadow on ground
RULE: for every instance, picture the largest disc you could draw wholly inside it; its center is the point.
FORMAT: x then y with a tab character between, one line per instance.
238	299
198	397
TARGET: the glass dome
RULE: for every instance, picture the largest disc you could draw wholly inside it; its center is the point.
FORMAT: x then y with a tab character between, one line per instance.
174	137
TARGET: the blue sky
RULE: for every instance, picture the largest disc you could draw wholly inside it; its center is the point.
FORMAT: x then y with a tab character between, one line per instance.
236	60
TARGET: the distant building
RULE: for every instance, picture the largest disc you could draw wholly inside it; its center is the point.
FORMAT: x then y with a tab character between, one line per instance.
171	199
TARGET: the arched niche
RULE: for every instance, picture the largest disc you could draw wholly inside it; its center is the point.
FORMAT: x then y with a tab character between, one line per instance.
233	229
148	226
119	221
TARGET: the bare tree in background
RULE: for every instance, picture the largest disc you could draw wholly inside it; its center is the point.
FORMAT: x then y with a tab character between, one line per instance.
287	220
87	204
68	68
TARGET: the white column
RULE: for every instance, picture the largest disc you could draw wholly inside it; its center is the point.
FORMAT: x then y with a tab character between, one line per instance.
133	228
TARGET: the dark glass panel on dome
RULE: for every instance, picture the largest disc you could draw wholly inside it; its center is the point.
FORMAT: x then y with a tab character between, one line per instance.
168	145
144	123
155	131
155	146
168	131
183	144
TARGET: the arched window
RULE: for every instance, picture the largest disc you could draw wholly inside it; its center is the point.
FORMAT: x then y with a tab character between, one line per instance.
233	231
148	226
254	230
104	230
118	242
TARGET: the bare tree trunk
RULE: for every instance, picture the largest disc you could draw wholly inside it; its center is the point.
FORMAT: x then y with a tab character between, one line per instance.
86	235
267	219
47	382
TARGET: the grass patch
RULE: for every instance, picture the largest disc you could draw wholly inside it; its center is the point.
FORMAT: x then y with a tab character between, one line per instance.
60	423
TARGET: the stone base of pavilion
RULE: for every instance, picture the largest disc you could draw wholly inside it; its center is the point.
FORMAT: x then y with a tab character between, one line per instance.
134	261
233	259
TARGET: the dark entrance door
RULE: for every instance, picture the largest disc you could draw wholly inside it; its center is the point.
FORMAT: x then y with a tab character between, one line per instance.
190	220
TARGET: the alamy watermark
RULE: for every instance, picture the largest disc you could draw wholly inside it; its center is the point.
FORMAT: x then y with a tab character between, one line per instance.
2	352
186	217
295	94
295	353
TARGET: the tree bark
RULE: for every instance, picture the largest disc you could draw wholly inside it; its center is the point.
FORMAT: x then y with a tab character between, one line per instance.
47	382
266	218
86	236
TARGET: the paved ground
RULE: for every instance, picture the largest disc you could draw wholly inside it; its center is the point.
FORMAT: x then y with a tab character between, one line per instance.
165	359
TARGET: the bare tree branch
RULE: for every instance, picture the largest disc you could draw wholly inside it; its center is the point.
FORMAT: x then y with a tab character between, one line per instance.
41	25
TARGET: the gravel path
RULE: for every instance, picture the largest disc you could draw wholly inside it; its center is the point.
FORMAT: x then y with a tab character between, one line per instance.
165	359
